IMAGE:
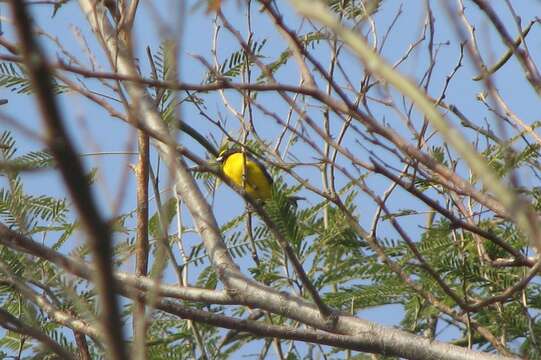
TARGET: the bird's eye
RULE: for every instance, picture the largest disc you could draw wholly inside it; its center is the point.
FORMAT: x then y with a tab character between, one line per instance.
221	155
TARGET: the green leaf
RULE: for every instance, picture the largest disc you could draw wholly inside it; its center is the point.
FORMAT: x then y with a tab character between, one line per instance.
168	212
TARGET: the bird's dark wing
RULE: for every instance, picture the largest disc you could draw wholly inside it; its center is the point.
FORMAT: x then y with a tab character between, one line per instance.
262	167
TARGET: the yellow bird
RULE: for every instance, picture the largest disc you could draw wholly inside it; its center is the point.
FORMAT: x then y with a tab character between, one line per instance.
256	180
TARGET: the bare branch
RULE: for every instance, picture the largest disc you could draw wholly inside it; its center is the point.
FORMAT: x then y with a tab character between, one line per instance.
72	171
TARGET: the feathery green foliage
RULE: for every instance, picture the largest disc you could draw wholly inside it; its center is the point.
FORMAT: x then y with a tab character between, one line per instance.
13	77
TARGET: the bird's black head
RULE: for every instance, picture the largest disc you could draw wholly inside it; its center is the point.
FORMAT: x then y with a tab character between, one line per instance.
224	154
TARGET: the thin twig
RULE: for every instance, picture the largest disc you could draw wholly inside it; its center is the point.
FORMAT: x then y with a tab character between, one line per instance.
100	239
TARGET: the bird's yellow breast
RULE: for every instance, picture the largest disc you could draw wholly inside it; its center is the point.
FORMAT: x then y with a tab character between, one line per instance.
257	182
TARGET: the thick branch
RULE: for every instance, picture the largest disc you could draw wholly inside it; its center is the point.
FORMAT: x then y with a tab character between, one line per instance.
73	174
19	242
141	242
389	341
11	323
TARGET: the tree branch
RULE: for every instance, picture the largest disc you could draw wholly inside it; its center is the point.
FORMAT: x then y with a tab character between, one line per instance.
73	174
